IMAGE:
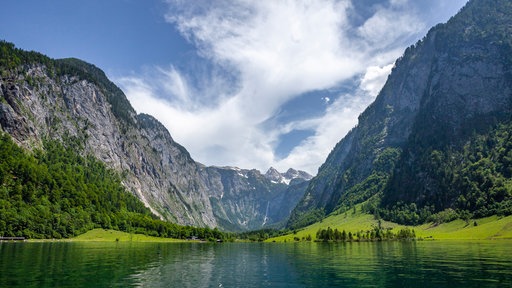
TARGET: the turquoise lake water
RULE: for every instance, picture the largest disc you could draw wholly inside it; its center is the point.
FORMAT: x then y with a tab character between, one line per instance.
379	264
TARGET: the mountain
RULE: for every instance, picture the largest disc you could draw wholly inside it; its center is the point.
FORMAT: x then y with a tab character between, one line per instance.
70	100
287	178
436	141
249	200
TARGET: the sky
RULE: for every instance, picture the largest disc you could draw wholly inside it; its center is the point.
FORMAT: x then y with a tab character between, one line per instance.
251	84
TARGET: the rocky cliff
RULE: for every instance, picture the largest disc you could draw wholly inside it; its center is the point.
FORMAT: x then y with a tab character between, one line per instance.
446	91
249	200
71	100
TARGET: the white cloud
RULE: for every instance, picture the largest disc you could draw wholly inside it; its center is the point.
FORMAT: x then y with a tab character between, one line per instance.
388	26
281	49
341	116
277	50
374	79
176	85
220	134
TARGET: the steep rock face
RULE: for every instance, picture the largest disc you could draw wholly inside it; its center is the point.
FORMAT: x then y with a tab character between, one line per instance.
170	162
455	79
73	101
385	123
38	106
469	99
248	200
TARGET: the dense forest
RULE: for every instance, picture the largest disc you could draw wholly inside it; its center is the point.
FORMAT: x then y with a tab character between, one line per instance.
473	181
56	193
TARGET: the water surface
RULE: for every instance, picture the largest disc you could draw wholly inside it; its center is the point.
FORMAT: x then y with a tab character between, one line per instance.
380	264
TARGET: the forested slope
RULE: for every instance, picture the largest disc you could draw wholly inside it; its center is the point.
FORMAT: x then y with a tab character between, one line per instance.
56	193
435	144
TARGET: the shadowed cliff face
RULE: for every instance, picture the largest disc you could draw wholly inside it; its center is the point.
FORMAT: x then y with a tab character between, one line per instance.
69	99
455	82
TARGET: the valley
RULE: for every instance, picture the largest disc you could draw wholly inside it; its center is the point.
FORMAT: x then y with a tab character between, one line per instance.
410	129
434	147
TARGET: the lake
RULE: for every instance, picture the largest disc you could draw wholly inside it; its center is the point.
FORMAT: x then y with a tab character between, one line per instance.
379	264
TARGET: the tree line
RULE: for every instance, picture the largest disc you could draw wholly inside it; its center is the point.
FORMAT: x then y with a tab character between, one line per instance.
377	233
55	192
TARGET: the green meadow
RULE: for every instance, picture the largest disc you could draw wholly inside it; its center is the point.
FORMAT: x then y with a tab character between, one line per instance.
493	227
103	235
489	228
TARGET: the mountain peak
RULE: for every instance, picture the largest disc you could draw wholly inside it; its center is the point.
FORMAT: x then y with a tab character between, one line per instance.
285	178
294	174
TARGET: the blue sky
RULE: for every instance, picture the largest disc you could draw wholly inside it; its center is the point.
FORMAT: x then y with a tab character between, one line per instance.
240	83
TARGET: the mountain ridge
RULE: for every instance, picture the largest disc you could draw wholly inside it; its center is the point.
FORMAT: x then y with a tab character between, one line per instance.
457	73
45	98
286	178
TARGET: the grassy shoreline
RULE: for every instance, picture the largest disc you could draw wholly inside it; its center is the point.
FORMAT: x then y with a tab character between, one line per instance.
103	235
489	228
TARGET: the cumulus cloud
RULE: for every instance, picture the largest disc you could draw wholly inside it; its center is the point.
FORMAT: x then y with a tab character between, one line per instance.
374	79
275	51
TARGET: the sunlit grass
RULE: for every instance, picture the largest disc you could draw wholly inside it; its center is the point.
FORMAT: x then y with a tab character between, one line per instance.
102	235
492	227
487	228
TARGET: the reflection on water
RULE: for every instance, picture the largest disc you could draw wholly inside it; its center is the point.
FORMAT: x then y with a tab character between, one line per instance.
408	264
178	264
226	265
385	264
